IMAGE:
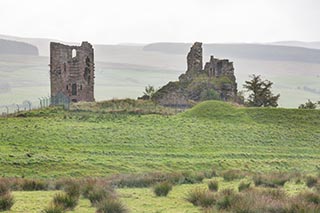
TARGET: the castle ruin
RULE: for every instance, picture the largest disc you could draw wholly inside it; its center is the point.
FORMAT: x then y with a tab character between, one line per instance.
72	71
216	80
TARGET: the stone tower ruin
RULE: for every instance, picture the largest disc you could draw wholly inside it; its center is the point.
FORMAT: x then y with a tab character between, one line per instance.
214	80
72	71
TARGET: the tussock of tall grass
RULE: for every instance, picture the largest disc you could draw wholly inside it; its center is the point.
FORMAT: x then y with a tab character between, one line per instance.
201	197
272	180
52	208
255	200
213	185
162	189
149	179
111	206
243	186
6	199
311	181
231	175
66	201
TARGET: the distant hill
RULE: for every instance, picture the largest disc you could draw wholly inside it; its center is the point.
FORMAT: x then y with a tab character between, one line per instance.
17	48
247	51
312	45
124	70
41	43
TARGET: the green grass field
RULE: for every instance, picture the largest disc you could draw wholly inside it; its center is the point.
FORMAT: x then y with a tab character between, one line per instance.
139	200
55	143
89	141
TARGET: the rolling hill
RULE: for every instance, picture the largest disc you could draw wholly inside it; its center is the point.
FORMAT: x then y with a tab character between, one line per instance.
55	143
124	70
8	47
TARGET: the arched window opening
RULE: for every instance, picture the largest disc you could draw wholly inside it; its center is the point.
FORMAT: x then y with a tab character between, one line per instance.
74	53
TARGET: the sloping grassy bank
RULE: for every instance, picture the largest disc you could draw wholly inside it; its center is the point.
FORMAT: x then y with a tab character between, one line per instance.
55	143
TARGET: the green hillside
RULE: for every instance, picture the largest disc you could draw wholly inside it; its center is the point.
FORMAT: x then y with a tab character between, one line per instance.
57	143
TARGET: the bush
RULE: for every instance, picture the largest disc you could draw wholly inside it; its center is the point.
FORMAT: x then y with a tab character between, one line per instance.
54	209
213	186
200	197
6	201
162	189
311	181
243	186
111	206
65	201
231	175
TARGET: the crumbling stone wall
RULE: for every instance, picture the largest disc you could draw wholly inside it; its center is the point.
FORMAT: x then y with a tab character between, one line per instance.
72	71
197	82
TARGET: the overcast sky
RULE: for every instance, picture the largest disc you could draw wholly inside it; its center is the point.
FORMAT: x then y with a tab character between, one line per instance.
145	21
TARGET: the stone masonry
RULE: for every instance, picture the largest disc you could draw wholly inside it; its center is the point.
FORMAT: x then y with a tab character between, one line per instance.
72	71
198	81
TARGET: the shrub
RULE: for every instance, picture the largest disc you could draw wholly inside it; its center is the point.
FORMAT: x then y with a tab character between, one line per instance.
65	201
243	186
231	175
6	201
200	197
311	181
54	209
213	186
162	189
111	206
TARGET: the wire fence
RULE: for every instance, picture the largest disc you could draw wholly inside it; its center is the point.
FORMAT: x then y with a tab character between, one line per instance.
27	105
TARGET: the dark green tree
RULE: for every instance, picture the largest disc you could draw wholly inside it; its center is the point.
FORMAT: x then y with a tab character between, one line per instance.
149	91
260	93
309	105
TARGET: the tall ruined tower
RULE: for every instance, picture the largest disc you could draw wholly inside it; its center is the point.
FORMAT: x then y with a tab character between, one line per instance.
72	71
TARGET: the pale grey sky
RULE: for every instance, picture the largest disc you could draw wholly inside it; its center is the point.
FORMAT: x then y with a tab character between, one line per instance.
144	21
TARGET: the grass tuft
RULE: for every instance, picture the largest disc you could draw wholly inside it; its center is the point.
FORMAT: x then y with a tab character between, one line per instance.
6	201
111	206
213	185
162	189
311	181
65	201
201	197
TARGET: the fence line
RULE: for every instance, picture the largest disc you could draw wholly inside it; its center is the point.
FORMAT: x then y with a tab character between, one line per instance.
28	105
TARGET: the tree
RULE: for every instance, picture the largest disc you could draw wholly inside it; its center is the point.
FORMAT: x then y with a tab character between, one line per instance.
149	91
309	105
261	94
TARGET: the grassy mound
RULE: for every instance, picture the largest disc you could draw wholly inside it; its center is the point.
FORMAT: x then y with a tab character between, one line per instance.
56	143
214	110
217	110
